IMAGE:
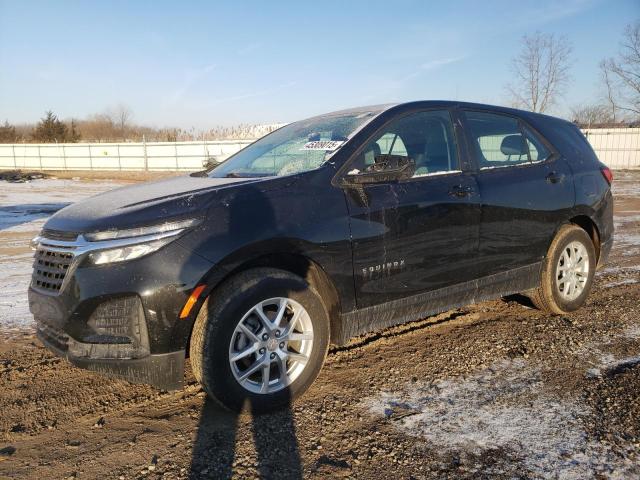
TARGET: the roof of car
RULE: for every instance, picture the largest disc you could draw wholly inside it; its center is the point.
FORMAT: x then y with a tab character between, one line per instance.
470	105
389	107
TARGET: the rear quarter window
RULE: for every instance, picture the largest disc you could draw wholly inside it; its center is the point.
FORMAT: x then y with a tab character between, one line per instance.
503	140
498	139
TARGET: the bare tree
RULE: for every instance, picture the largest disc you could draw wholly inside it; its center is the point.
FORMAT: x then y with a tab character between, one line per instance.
588	115
121	116
607	81
541	71
624	70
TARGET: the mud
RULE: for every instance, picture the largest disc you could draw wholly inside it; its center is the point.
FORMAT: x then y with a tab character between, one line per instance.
494	390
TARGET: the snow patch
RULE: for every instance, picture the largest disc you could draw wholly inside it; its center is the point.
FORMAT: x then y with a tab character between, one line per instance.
15	275
502	407
626	281
24	208
618	269
625	238
607	362
625	185
621	221
14	218
632	332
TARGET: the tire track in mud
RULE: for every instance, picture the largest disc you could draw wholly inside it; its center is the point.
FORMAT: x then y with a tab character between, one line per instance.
398	331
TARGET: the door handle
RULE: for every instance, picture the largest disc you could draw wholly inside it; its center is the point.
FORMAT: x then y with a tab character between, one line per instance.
461	191
554	177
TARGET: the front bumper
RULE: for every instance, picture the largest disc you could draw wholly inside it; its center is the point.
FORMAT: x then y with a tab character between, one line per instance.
164	371
122	319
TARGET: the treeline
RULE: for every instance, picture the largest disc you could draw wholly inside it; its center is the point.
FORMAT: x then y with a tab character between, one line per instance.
116	126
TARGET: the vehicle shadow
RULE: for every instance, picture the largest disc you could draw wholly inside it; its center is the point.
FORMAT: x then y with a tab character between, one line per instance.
13	215
249	443
220	448
520	299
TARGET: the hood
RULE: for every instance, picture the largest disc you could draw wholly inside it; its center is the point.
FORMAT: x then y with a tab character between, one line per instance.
141	204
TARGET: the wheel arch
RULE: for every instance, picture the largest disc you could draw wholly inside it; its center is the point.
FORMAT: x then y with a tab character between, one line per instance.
588	225
295	263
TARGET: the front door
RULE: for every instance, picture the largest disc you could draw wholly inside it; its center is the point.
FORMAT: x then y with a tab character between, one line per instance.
419	234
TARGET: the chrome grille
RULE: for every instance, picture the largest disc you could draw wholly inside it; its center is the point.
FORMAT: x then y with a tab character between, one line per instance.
53	262
50	269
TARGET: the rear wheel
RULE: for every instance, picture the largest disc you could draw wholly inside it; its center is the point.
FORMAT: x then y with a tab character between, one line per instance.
567	273
260	339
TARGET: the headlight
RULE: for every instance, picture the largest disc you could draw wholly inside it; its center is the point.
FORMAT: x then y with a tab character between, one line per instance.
142	231
127	253
121	245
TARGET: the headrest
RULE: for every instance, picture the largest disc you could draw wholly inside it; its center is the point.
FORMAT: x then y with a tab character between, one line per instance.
513	145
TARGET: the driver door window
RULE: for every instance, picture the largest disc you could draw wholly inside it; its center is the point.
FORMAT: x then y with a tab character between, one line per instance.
425	137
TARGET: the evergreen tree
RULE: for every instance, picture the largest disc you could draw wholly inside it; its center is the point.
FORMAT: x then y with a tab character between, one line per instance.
50	129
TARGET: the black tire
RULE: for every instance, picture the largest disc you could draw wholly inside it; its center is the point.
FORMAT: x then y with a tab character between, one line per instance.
547	297
217	320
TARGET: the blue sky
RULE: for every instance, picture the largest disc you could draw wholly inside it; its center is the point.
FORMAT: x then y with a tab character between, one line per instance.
201	64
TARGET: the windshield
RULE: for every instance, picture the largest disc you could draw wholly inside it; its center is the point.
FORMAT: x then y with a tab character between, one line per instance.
297	147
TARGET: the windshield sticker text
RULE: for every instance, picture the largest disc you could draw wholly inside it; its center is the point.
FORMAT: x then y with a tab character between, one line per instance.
327	145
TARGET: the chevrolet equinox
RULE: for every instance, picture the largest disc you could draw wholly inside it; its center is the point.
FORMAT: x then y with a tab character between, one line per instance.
323	230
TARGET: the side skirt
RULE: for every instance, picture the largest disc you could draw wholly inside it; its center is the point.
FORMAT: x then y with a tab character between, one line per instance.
433	302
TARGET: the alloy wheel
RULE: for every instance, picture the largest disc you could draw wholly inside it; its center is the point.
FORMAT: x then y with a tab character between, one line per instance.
572	270
271	345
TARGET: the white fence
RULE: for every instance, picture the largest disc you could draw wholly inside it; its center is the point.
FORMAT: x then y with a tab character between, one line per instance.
619	148
116	156
616	147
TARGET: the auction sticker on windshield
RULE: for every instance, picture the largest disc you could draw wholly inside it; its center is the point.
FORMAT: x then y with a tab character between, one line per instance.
327	145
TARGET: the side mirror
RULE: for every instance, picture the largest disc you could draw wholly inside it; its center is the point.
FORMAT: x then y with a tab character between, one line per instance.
210	163
386	168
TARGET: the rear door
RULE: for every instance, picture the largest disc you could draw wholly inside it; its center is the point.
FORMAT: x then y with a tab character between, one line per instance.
526	190
419	234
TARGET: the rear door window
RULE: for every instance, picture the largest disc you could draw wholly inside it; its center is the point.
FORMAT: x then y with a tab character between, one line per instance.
498	139
503	141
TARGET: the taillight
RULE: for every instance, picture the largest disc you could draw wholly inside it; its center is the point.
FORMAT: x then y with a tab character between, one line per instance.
607	174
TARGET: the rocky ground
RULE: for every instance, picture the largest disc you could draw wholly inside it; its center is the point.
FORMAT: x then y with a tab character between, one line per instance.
495	390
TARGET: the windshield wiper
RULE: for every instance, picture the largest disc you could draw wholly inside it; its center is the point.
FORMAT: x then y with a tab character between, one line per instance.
248	175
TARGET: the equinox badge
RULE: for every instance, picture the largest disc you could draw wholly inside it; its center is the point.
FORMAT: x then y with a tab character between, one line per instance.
382	269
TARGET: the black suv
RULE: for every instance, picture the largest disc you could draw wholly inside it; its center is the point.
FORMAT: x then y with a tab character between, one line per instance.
323	230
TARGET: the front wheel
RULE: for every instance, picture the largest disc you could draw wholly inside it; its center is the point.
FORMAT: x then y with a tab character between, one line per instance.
260	340
567	273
